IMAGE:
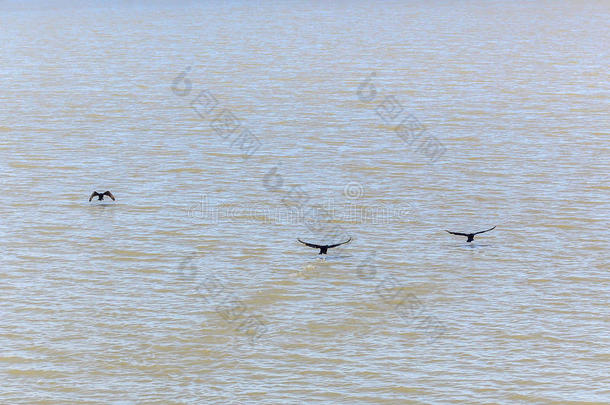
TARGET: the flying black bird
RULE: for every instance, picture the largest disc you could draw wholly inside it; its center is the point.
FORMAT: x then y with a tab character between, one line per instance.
470	236
100	196
323	248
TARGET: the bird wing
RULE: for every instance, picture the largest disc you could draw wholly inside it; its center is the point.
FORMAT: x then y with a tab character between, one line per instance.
339	244
457	233
310	244
485	231
109	194
93	195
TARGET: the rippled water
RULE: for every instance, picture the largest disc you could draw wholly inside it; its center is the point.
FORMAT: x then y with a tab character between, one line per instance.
192	288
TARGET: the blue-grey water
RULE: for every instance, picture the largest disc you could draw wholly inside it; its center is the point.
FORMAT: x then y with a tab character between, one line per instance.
227	130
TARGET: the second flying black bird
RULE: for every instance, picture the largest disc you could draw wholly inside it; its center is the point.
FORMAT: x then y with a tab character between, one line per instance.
470	236
100	196
323	248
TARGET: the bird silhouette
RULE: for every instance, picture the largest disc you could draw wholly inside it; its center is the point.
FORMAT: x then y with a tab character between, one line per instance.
323	248
100	196
470	236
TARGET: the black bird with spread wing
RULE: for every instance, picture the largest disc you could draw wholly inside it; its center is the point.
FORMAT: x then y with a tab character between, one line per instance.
470	236
323	248
100	196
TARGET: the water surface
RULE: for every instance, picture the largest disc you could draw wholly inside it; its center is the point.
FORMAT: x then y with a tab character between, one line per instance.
192	288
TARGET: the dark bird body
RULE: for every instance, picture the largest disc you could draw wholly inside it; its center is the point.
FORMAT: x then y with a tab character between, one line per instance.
470	236
100	196
323	248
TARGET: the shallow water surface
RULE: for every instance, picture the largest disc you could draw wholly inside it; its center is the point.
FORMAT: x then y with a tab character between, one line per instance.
192	287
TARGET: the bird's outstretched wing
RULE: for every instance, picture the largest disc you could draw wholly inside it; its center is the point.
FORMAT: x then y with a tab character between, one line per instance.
109	194
94	194
476	233
339	244
457	233
311	244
